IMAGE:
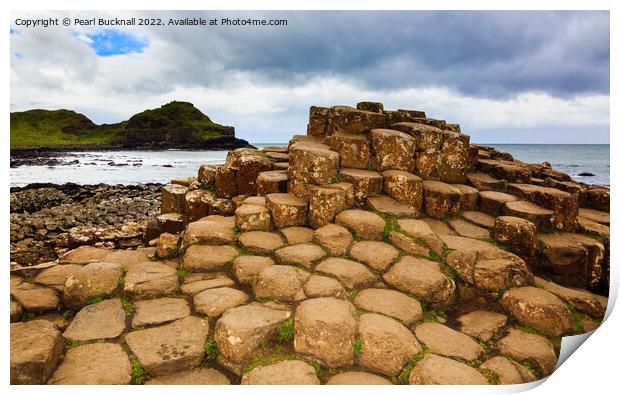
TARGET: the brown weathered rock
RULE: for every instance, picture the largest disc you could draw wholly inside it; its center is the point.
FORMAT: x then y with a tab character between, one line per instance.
404	187
318	119
225	182
271	182
354	149
297	235
419	229
196	376
167	246
518	234
357	378
171	223
529	347
448	342
408	244
512	172
441	200
572	259
485	182
539	309
352	275
391	303
259	242
492	202
170	348
150	280
35	348
208	258
103	320
287	209
480	219
197	204
507	371
83	255
214	302
365	183
325	203
252	217
312	164
363	224
386	344
411	275
159	311
281	282
55	276
349	191
173	199
206	174
541	217
207	232
322	286
427	163
370	106
592	304
16	311
94	279
325	330
391	150
466	229
376	254
304	255
434	369
427	137
96	363
205	281
598	198
249	167
469	196
481	324
601	217
454	157
241	330
346	119
247	267
390	207
335	238
282	373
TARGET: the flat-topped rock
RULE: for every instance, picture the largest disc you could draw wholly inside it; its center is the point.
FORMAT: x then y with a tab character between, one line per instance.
572	259
197	203
434	369
363	224
388	206
365	183
261	243
170	348
345	119
128	258
479	218
207	281
598	198
56	276
287	209
325	203
103	320
516	233
35	347
601	217
335	238
588	226
167	246
481	324
312	164
357	378
386	344
352	275
405	188
16	311
173	198
215	301
149	280
96	363
421	230
439	227
207	232
427	136
412	276
592	304
304	255
35	298
282	373
94	279
492	202
247	267
322	286
208	258
508	371
466	229
441	200
469	196
354	149
391	150
448	342
297	235
196	376
241	330
391	303
409	244
376	254
252	217
539	309
159	311
170	223
563	204
281	282
529	347
541	217
325	330
83	255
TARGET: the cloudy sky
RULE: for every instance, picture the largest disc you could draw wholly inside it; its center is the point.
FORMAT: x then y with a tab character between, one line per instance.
506	77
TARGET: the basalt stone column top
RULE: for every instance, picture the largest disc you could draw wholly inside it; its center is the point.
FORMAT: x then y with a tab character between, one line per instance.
350	120
392	150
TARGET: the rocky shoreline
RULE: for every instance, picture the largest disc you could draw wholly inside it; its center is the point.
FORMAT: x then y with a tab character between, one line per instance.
382	247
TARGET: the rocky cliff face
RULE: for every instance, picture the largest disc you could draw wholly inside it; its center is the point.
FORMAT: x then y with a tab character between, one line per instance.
382	247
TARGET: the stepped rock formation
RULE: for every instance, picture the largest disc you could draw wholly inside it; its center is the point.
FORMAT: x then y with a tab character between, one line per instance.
381	247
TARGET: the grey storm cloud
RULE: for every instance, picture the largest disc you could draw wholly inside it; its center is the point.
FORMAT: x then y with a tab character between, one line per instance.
490	54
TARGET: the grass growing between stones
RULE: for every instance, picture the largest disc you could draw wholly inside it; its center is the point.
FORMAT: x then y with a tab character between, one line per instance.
577	317
357	349
95	300
269	359
27	316
182	273
208	186
211	350
286	332
138	374
491	376
497	244
403	377
127	306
